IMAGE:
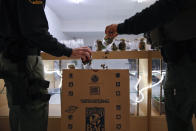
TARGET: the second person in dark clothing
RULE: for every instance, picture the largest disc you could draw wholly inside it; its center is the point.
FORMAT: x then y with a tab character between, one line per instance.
171	25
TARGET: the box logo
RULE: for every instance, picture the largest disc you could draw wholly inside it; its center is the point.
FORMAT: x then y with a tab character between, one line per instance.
94	78
94	90
95	119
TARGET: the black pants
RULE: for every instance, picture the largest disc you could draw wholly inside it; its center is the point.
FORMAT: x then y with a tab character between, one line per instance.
180	94
34	115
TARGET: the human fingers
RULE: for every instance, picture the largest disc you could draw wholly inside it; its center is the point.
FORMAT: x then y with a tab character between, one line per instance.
111	31
115	35
85	55
107	29
87	49
83	52
83	58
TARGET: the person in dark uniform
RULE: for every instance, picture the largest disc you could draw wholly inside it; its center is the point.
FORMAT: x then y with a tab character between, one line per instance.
170	25
23	34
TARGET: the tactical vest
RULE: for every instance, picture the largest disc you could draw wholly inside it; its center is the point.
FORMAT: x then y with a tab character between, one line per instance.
182	27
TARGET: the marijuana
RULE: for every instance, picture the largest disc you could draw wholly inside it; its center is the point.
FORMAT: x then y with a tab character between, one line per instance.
114	47
71	66
104	66
122	45
108	40
142	44
88	61
100	45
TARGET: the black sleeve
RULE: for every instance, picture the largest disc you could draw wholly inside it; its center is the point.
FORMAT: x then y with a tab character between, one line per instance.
34	27
157	14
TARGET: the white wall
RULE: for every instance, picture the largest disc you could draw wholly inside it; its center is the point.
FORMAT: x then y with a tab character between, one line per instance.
90	37
89	31
55	24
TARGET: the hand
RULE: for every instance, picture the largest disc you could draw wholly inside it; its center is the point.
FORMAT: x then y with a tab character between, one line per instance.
84	53
111	31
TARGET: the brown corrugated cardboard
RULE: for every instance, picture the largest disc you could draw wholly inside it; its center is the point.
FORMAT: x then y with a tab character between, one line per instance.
95	100
3	98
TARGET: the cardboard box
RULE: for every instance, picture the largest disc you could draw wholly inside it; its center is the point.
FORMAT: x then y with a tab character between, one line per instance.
3	98
95	100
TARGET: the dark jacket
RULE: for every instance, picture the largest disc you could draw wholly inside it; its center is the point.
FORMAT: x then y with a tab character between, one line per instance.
171	15
27	18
